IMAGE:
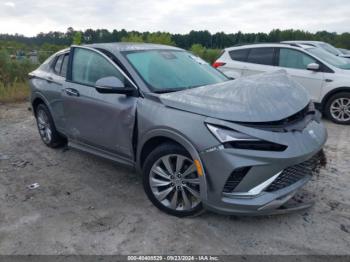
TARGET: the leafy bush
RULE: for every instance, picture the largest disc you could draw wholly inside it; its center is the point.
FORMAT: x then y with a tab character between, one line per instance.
13	75
208	54
12	71
160	38
155	38
133	38
16	93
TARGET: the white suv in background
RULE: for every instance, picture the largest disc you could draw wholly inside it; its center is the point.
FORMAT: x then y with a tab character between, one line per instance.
325	76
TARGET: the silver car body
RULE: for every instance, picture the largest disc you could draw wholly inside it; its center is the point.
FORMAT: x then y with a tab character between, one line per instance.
269	107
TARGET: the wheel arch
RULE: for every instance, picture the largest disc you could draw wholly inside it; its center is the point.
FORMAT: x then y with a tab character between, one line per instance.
155	138
331	93
38	99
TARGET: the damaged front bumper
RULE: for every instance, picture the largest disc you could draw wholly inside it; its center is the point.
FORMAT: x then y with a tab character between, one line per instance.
252	182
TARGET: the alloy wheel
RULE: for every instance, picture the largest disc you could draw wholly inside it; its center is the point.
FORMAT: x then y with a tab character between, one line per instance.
174	182
44	126
340	109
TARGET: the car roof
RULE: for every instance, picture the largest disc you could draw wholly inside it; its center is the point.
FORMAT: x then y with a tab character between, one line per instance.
302	41
126	46
299	46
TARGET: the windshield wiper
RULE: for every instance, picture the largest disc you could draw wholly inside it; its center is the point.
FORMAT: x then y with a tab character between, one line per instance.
162	91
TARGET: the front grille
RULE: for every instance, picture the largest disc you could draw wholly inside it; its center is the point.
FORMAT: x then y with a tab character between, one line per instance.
294	173
235	178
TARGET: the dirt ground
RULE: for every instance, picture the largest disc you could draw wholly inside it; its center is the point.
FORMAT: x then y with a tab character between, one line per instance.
87	205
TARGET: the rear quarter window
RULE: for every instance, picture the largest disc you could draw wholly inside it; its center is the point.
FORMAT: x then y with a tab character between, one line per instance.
239	55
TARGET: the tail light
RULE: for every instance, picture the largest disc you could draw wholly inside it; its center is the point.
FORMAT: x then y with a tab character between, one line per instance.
218	64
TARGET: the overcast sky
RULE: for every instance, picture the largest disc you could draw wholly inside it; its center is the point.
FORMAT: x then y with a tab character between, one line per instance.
30	17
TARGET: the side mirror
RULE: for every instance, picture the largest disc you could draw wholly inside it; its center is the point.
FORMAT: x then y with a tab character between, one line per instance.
112	85
313	67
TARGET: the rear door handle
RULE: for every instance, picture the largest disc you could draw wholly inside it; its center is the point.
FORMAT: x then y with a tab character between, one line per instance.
49	79
71	92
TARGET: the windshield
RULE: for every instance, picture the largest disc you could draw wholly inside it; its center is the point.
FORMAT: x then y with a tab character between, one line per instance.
330	49
173	70
336	61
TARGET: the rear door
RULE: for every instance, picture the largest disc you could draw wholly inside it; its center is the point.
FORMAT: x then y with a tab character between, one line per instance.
260	60
296	62
98	121
55	82
235	63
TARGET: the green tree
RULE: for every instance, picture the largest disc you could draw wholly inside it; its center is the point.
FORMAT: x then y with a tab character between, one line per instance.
134	38
160	38
77	38
207	54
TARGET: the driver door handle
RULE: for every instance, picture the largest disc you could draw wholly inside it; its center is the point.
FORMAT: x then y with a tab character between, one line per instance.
71	92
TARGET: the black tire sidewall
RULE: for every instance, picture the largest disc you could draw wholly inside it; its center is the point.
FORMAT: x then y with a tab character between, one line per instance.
328	106
56	139
157	153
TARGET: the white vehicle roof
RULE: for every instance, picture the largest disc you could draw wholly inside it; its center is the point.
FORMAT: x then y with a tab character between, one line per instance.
302	41
300	46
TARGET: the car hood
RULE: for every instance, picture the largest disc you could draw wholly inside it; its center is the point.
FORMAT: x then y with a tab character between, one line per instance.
259	98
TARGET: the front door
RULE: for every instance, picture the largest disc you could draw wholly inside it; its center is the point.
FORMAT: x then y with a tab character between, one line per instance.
101	121
296	62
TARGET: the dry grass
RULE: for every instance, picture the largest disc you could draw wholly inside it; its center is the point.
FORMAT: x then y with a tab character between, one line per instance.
19	92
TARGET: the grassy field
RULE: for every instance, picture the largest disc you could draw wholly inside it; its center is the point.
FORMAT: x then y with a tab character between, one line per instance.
17	93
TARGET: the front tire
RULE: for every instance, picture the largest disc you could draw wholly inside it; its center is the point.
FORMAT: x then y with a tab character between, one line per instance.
46	127
337	108
171	181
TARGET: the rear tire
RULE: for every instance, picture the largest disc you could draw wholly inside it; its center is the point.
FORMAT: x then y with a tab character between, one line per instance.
337	108
174	187
46	127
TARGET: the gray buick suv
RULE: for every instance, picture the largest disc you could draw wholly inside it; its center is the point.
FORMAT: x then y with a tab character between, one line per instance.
199	139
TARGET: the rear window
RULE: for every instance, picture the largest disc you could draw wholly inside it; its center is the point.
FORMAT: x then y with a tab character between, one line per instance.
262	56
239	55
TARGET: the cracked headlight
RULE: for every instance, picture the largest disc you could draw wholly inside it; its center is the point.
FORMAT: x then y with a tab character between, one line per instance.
233	139
228	135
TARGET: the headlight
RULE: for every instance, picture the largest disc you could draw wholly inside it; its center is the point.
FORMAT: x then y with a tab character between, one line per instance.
228	135
233	139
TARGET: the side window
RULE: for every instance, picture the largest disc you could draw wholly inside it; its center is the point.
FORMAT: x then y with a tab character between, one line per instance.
64	65
262	56
239	55
294	59
89	66
58	64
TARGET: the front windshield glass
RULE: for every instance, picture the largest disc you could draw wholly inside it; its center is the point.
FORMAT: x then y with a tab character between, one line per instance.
173	70
336	61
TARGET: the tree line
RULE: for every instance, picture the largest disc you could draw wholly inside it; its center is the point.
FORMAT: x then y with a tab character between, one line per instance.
203	43
205	38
